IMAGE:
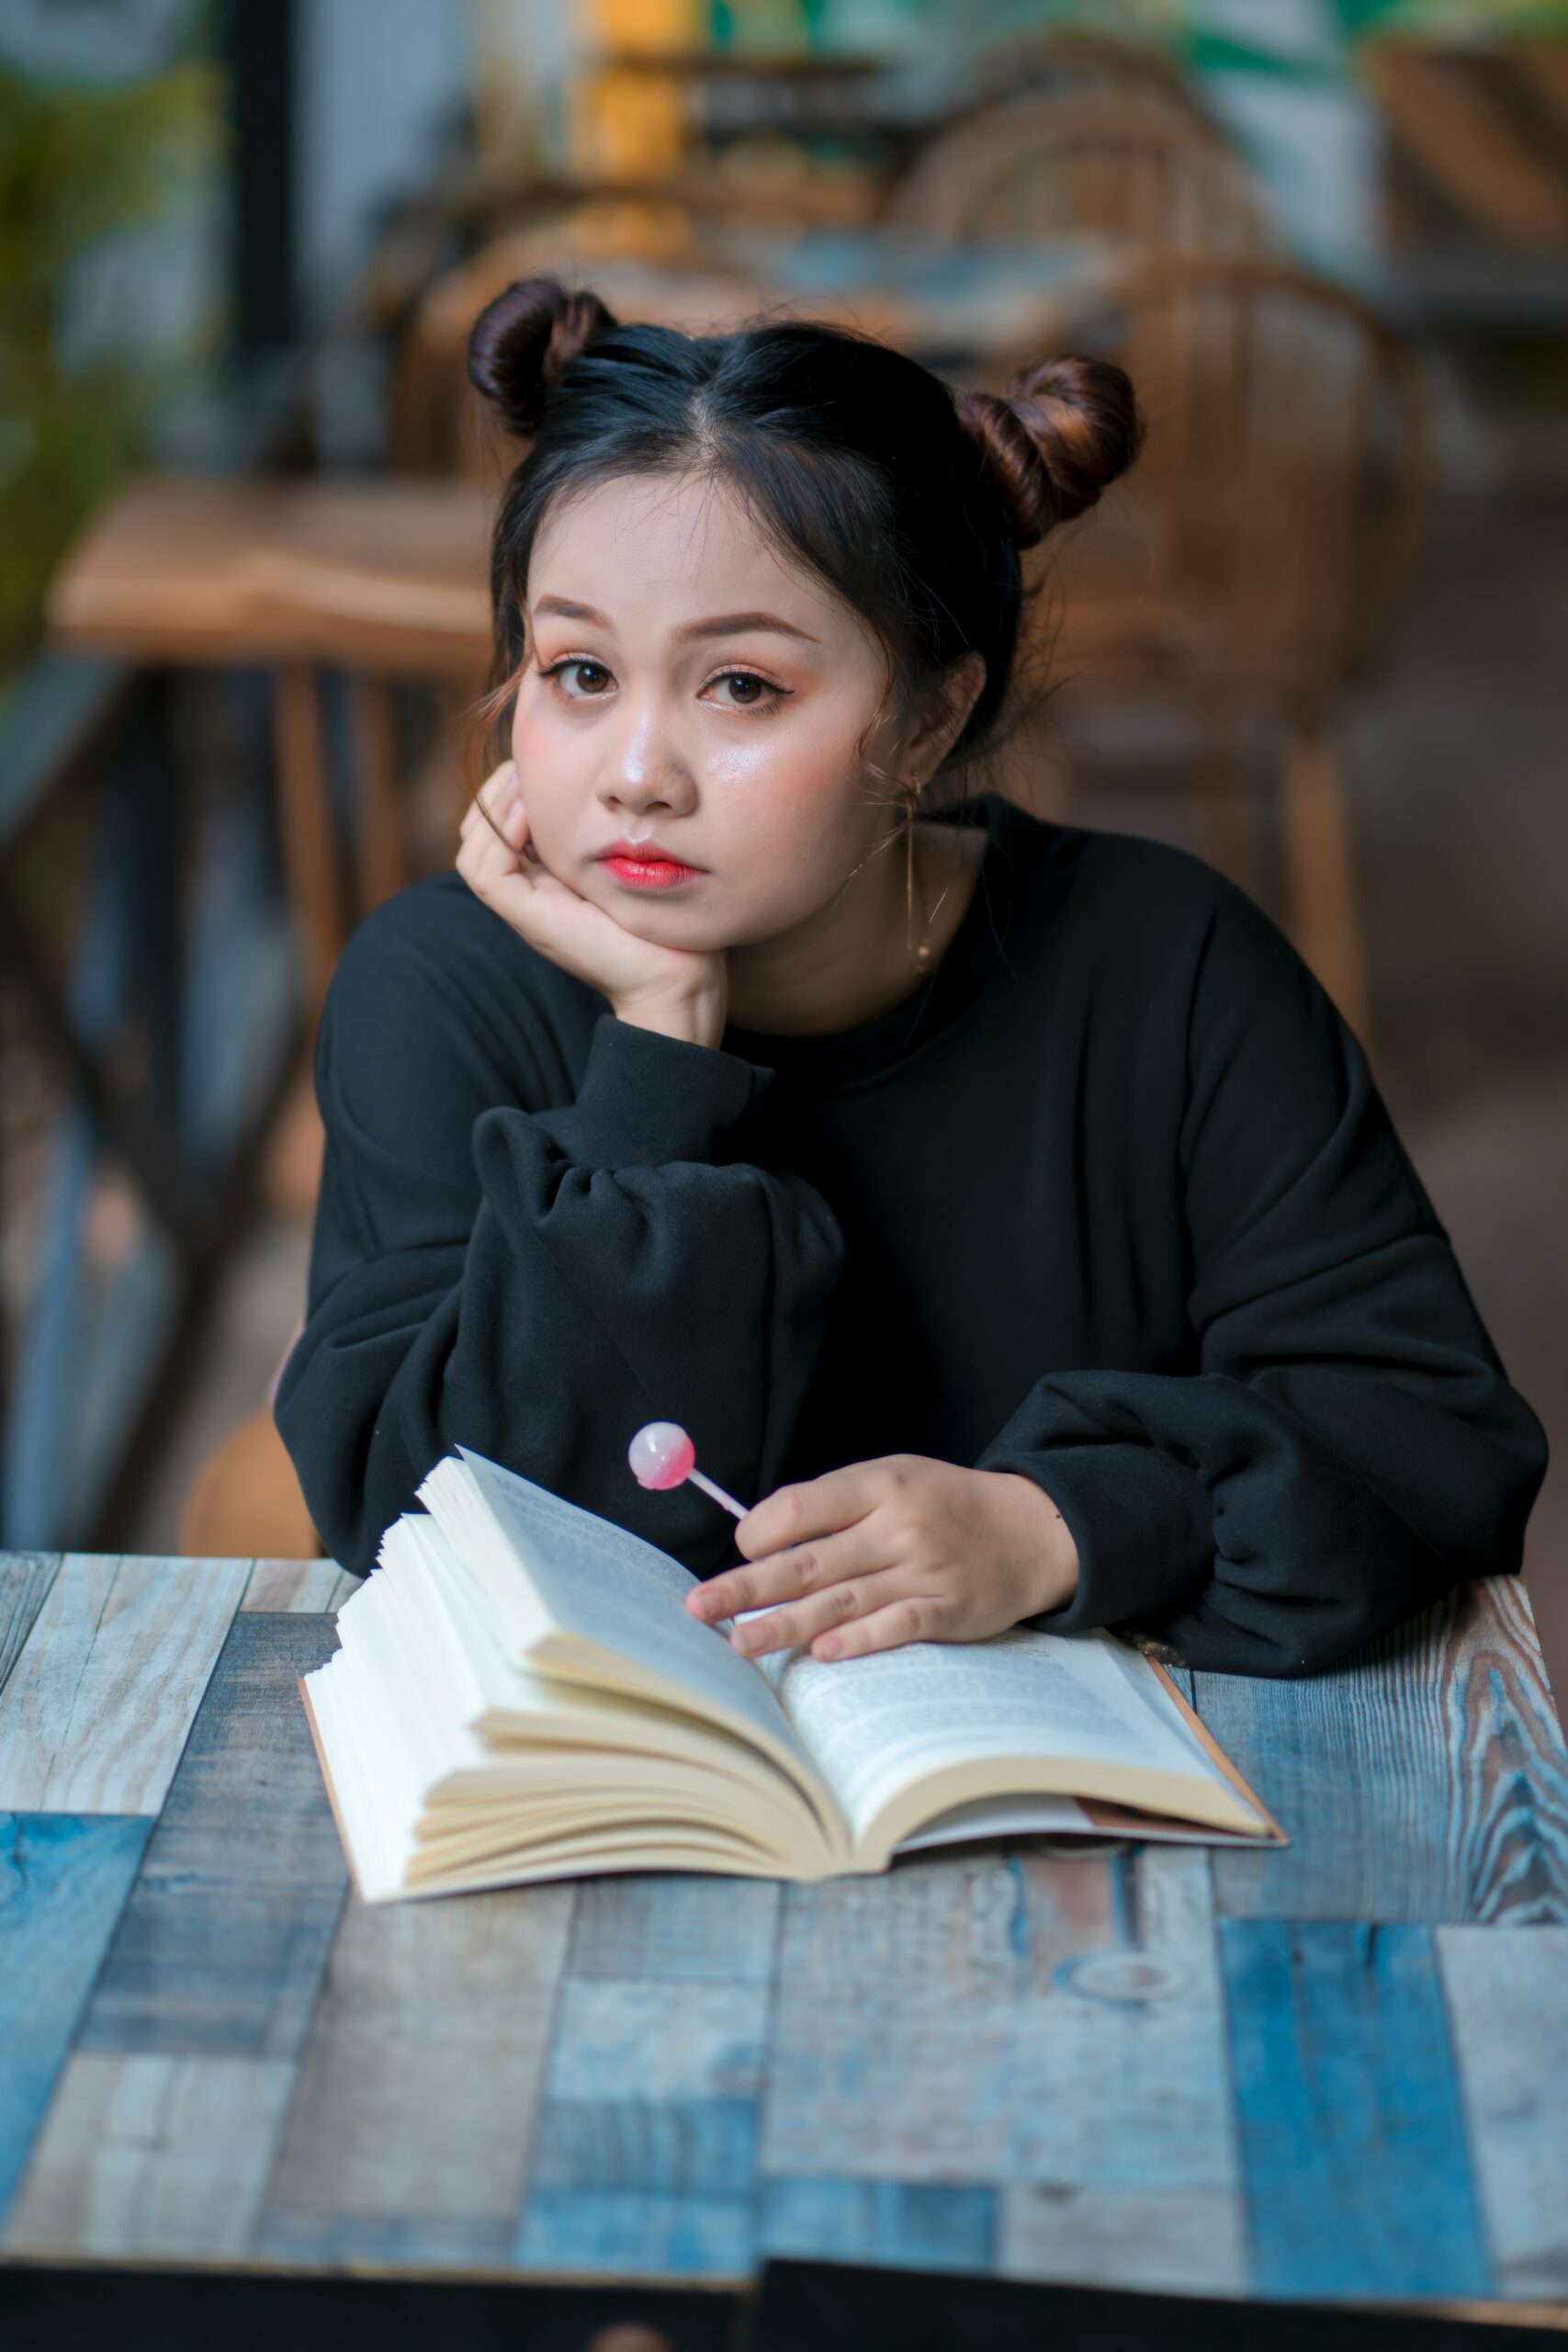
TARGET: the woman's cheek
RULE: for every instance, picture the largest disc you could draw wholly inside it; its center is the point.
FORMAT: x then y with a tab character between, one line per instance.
808	837
547	762
792	784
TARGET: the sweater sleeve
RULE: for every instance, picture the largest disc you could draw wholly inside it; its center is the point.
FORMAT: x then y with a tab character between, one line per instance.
536	1284
1347	1447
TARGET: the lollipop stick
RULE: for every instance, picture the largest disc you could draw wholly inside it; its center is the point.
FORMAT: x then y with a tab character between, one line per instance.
717	1493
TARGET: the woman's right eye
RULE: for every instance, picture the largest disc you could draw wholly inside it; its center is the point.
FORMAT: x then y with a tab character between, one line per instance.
591	680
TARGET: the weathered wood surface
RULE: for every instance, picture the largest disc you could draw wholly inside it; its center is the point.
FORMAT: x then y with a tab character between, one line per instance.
1162	2069
223	1941
97	1705
971	2018
429	2012
63	1881
1425	1782
152	2155
1352	2135
1507	2001
307	1588
645	2156
25	1579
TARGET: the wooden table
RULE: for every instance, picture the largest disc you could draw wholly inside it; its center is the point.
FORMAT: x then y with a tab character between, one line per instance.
1333	2074
377	578
192	570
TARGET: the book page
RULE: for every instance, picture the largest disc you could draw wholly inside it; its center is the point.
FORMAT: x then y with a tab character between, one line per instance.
1000	1817
505	1701
603	1595
875	1724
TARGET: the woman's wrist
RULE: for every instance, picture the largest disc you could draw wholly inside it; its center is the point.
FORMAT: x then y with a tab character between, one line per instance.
1053	1571
698	1019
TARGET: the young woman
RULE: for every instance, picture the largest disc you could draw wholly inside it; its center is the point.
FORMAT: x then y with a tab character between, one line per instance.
1001	1205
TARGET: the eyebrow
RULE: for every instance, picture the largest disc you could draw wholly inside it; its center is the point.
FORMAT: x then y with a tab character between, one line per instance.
718	625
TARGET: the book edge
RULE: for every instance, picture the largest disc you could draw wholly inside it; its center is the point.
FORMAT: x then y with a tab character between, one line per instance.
1216	1754
332	1791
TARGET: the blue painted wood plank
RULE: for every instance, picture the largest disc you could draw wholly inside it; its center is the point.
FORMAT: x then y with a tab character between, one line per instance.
415	2100
992	2017
1163	2241
638	2234
149	2158
1424	1781
645	2152
224	1941
1508	2004
63	1881
1354	2157
675	1926
909	2225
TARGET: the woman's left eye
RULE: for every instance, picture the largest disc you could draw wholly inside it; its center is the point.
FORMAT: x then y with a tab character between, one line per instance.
763	694
586	669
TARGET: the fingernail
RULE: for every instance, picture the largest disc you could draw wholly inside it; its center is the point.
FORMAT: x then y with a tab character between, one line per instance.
516	810
749	1637
830	1645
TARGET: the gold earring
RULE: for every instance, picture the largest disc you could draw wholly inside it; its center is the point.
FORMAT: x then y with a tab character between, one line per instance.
922	953
909	878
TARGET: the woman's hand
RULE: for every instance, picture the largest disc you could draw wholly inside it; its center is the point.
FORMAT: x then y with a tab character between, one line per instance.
901	1549
675	990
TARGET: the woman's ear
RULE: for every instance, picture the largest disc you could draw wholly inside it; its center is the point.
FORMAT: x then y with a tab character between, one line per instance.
946	714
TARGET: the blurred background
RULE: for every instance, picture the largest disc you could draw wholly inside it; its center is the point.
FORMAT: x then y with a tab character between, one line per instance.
1316	636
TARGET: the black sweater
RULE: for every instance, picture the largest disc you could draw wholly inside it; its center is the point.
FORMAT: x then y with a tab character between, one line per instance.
1110	1201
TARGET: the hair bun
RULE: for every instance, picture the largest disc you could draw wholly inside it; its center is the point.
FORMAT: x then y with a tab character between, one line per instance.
523	341
1059	436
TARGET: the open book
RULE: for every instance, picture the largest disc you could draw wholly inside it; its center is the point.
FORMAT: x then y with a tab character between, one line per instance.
521	1693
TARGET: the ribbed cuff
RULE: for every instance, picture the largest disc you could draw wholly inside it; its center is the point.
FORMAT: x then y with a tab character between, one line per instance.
1142	1523
645	1099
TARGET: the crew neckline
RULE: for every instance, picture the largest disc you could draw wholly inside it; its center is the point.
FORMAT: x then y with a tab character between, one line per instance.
839	1058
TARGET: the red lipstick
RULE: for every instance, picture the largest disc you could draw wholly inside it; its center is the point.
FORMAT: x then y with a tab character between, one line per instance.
645	866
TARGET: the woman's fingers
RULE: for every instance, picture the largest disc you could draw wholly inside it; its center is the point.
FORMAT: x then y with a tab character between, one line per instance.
791	1515
913	1617
494	833
492	804
500	787
834	1608
790	1575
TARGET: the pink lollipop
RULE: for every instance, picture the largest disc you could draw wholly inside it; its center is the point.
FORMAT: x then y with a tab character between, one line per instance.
661	1455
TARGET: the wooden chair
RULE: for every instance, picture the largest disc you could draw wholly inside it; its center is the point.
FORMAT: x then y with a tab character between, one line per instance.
245	1503
663	274
697	288
1256	555
379	580
1481	131
1035	167
1071	61
366	583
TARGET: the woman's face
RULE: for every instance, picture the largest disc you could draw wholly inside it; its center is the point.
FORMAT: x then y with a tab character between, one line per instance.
692	690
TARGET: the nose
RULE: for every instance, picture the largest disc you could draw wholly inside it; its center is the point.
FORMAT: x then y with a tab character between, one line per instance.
646	770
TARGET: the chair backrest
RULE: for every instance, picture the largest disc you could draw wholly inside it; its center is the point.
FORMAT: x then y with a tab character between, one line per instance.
436	421
1067	60
1276	510
1129	166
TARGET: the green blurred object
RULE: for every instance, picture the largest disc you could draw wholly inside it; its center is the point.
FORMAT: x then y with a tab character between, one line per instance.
82	164
1451	20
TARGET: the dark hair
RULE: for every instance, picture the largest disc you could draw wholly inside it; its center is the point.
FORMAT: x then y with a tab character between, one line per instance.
911	501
